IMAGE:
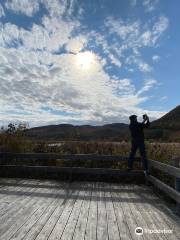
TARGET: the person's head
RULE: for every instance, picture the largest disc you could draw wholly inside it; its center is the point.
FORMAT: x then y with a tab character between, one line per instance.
133	118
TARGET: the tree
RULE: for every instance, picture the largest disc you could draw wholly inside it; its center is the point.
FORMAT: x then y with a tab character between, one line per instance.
13	138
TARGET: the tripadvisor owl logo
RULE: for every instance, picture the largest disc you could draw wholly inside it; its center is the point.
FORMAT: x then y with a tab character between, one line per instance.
139	231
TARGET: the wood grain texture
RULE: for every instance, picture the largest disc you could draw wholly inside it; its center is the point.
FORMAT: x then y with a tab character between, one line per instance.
49	209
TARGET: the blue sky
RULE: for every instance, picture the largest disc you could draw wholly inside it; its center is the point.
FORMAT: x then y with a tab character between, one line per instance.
88	62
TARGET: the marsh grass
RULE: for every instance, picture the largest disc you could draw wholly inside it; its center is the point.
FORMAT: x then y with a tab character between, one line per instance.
163	152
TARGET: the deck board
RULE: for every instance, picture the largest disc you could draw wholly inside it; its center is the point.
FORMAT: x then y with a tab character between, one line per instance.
113	229
91	228
47	209
102	226
80	230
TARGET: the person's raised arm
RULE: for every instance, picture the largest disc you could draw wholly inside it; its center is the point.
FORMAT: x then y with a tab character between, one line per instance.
146	122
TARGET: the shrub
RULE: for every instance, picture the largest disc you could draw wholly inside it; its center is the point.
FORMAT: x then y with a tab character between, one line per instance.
13	139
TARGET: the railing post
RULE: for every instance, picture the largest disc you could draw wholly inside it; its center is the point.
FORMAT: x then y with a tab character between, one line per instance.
71	166
177	184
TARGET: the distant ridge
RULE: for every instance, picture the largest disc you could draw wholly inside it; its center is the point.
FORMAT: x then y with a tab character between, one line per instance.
167	128
115	132
171	120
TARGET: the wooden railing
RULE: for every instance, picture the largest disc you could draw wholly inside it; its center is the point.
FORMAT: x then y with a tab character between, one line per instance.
55	156
7	165
7	161
174	171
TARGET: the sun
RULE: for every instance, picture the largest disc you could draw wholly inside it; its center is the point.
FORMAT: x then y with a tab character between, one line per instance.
85	60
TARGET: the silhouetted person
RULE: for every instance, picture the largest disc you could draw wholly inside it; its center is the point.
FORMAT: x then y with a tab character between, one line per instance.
137	140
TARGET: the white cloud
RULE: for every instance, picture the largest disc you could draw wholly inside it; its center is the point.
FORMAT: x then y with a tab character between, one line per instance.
123	30
141	65
34	77
115	61
76	44
55	8
33	85
133	33
26	7
123	87
159	27
147	86
164	98
146	38
150	5
144	67
2	14
62	8
9	33
131	37
151	36
50	37
156	58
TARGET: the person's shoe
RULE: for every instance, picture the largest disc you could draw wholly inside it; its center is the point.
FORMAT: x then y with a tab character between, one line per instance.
146	173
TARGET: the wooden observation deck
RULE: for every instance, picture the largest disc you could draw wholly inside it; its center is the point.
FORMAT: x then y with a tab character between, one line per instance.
53	209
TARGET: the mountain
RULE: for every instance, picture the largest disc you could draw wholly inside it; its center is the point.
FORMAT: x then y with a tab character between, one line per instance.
113	132
171	120
166	128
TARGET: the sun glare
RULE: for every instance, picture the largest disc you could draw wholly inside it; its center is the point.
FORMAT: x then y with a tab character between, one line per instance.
85	60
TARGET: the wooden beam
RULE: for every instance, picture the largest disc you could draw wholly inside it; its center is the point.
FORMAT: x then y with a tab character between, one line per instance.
171	170
52	169
165	188
177	184
54	156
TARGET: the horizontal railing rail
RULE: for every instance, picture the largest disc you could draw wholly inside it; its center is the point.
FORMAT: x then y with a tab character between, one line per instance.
55	156
54	169
171	170
174	171
9	164
165	188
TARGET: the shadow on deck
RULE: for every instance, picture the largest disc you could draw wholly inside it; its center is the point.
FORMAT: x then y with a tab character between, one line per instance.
50	209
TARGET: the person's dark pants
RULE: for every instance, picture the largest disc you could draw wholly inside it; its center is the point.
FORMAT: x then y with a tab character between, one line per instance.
134	147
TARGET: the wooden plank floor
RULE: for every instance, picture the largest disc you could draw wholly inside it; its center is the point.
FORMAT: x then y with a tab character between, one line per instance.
48	209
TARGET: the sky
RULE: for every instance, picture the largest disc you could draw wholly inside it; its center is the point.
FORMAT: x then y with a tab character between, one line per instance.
88	62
